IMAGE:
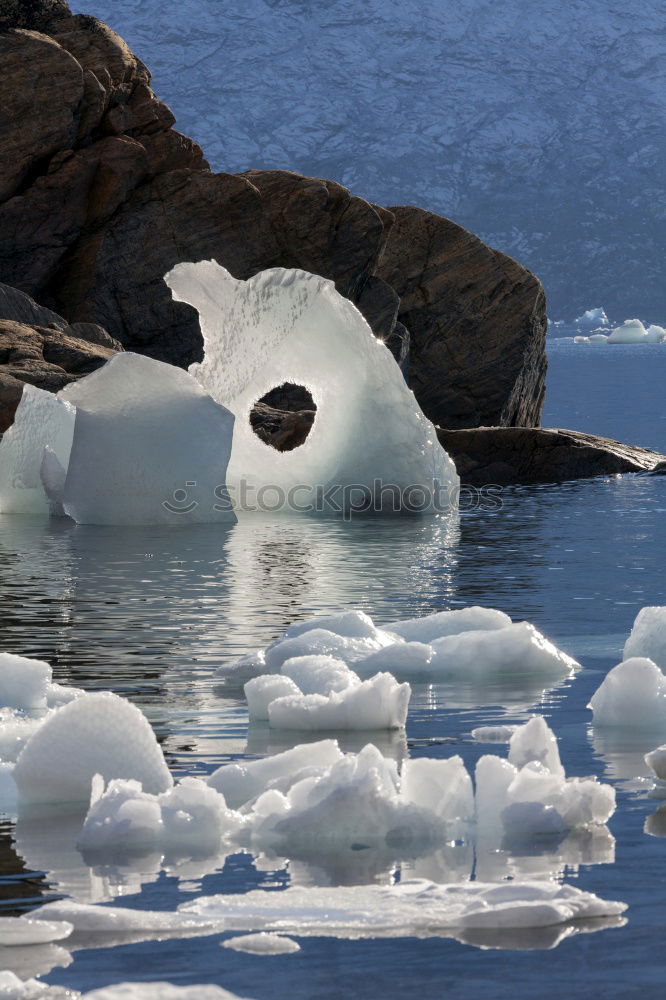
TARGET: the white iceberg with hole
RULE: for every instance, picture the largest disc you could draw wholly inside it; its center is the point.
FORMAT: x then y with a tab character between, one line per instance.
322	693
632	696
412	908
648	636
97	733
291	326
474	643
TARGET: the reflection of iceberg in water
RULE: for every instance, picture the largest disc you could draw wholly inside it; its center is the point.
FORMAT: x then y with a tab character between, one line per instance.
290	326
623	753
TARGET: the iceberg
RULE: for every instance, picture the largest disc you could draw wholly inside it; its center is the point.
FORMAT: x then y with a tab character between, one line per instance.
322	693
369	435
97	733
27	684
150	447
160	991
631	331
42	421
656	761
592	318
632	695
648	636
471	643
655	334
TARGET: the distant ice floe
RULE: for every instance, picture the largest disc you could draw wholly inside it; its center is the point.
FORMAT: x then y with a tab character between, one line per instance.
291	326
473	644
632	331
263	944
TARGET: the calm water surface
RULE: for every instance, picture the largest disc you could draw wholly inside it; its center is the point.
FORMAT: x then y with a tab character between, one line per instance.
151	614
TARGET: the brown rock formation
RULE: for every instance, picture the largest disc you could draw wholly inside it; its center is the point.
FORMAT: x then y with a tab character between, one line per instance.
40	348
505	455
99	197
477	323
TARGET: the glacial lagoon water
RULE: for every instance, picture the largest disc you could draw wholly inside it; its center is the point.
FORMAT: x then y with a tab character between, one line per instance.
151	613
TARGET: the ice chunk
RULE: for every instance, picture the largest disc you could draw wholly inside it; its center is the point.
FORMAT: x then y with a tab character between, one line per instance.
99	733
656	760
518	649
581	340
25	931
415	907
592	318
648	636
655	334
150	447
263	944
321	642
41	421
262	691
493	734
475	642
633	694
631	331
431	627
93	919
352	624
378	703
242	781
291	326
15	731
319	674
356	802
443	786
191	816
24	683
493	776
535	742
598	338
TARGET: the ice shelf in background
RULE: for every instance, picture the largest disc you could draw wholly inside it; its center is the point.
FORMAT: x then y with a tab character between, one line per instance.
291	326
322	693
473	644
631	696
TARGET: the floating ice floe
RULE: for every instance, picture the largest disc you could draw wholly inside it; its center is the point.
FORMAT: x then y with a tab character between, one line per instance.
471	643
592	318
632	695
648	636
632	331
415	907
291	326
493	734
263	944
136	442
322	693
26	931
160	991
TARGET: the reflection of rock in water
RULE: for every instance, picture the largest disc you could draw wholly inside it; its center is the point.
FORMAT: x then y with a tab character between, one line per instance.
24	884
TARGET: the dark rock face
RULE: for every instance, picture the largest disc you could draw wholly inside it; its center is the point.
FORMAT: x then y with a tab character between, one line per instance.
505	455
283	430
39	347
477	323
100	196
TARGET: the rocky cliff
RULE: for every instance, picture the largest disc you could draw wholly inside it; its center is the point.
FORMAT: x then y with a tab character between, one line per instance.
100	196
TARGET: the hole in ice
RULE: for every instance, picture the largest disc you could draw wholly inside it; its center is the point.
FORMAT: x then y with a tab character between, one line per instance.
284	416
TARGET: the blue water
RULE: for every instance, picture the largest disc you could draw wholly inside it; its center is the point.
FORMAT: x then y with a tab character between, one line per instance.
150	614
